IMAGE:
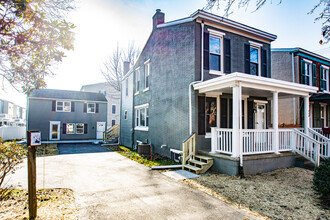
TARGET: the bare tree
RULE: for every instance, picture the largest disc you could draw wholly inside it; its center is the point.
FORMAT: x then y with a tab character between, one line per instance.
323	5
112	70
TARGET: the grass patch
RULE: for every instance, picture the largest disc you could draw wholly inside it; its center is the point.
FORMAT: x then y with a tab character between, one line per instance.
157	160
51	203
47	150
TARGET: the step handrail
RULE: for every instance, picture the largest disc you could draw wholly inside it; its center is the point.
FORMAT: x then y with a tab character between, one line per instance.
111	133
310	148
188	148
325	143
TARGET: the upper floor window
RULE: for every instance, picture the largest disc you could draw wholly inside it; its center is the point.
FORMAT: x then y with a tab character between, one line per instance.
142	117
324	78
254	61
113	109
308	73
90	107
137	80
146	74
216	56
126	81
63	106
125	115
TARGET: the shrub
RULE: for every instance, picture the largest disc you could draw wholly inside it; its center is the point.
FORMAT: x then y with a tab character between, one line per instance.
11	155
321	181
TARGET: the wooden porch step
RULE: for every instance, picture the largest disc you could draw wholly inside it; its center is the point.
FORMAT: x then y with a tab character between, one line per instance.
203	158
198	162
191	167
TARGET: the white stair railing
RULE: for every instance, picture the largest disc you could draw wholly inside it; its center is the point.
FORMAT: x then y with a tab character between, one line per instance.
325	142
306	146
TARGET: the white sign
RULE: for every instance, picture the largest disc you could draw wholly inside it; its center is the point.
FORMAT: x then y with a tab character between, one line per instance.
35	139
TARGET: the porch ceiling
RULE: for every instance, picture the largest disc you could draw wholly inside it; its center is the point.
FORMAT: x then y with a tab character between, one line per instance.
254	86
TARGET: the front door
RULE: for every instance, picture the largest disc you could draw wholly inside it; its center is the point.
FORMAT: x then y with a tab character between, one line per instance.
100	129
260	116
54	131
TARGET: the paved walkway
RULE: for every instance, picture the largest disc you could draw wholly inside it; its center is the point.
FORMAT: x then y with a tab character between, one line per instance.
110	186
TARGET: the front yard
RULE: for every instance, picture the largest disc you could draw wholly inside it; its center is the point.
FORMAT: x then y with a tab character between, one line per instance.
281	194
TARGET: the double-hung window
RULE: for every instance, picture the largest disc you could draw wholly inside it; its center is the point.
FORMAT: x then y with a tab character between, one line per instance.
255	58
146	74
142	117
324	78
216	52
126	87
137	80
79	128
113	109
90	107
308	75
125	115
70	128
63	106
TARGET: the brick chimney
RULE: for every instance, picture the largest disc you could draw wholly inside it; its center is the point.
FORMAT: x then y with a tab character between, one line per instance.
126	67
158	18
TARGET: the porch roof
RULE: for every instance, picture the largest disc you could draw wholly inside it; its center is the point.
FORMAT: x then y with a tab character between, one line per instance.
254	85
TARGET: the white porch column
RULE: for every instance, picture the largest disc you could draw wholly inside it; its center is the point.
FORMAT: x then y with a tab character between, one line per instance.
236	121
306	113
275	122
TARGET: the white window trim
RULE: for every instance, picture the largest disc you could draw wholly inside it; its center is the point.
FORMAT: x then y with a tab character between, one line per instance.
146	64
137	126
146	89
88	103
255	44
311	71
115	109
220	35
74	128
327	90
83	129
258	47
147	61
125	115
63	106
137	70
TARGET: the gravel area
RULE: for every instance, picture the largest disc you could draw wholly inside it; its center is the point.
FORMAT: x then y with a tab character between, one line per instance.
281	194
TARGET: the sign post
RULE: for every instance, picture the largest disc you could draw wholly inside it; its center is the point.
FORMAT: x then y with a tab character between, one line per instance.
33	140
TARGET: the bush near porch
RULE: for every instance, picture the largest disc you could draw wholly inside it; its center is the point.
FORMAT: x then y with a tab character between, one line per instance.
280	194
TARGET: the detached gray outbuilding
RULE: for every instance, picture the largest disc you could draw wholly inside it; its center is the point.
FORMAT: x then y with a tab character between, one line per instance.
67	115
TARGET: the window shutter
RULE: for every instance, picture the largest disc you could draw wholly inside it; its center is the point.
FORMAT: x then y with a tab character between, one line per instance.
227	55
302	72
97	108
53	105
85	128
250	114
64	128
206	51
201	115
322	83
72	106
314	74
223	112
247	58
85	107
263	62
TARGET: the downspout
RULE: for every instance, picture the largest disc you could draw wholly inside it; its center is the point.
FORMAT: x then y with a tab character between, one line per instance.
202	78
294	98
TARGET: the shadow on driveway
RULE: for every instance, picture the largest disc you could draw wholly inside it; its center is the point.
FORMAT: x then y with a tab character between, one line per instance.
81	148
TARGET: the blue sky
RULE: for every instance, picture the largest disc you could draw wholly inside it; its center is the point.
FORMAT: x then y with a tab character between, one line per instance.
102	24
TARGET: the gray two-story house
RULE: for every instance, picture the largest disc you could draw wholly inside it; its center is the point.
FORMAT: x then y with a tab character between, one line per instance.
202	85
63	115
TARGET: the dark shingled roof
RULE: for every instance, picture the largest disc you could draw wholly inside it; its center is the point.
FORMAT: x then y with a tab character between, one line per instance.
323	97
67	94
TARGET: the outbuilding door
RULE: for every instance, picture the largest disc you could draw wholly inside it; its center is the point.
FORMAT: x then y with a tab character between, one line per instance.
100	128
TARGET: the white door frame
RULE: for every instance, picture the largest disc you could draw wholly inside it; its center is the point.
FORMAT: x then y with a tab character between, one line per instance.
99	122
58	123
256	113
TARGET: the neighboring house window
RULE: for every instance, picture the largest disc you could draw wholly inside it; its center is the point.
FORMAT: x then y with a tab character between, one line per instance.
216	57
126	87
324	78
63	106
142	117
113	122
137	80
90	107
308	73
70	128
146	74
113	109
80	128
125	115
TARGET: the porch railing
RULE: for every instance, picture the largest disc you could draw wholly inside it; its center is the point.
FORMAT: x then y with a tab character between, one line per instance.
285	140
222	140
319	130
325	142
258	141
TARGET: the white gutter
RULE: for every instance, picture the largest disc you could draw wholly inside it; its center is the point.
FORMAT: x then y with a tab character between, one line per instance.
294	98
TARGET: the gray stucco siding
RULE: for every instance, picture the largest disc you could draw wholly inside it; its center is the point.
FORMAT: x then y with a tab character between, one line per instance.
40	115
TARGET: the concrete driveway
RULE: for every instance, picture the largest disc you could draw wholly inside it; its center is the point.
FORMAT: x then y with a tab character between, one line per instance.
109	186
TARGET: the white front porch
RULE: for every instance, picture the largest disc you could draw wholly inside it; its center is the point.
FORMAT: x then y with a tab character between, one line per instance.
238	140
